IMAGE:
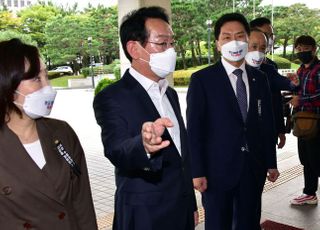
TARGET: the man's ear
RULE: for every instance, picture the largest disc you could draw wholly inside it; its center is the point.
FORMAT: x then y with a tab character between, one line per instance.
133	49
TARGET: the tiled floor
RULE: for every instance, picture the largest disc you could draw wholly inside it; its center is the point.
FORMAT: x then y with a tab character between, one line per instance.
75	106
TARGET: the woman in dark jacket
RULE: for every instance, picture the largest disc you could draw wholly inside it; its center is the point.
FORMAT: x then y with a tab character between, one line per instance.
44	181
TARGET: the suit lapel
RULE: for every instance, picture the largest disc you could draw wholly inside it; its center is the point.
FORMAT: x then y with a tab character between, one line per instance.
54	169
176	109
139	92
145	101
17	160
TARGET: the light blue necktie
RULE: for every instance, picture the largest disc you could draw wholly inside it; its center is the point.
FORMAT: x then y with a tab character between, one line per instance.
241	93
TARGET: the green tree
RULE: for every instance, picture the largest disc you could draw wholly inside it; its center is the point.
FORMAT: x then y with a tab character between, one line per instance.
8	21
34	20
189	22
104	31
294	21
9	34
67	39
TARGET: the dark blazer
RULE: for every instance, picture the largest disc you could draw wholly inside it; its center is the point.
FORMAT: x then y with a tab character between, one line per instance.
52	198
217	134
277	83
270	62
155	193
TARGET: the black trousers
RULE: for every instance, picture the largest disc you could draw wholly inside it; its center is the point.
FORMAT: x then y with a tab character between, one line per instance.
238	208
309	154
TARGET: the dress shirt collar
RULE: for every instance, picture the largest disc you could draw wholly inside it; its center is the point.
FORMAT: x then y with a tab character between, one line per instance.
230	68
147	83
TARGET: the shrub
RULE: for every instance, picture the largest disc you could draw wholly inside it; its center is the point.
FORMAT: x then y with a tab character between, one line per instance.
85	71
53	75
179	63
117	71
182	77
281	62
97	70
102	84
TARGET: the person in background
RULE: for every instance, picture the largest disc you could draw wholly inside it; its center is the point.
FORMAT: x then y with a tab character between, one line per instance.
264	24
40	188
231	132
143	132
255	57
308	99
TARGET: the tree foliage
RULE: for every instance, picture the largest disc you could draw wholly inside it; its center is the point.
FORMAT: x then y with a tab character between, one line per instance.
34	20
8	21
66	37
62	33
296	20
9	34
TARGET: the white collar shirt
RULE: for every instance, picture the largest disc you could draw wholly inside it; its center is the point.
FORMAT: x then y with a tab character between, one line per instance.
233	78
157	93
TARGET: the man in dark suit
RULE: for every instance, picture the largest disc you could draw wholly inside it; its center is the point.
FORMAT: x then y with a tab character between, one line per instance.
264	24
143	132
255	57
231	132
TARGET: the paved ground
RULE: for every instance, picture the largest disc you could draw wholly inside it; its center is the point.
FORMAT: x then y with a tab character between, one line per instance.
75	106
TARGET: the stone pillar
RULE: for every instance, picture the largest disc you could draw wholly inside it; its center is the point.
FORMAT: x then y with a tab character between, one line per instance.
124	7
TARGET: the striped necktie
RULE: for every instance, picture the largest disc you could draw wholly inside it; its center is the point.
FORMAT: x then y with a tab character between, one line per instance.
241	93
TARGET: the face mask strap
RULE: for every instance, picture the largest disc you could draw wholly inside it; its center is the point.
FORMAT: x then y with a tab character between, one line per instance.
145	51
142	47
16	103
20	93
143	60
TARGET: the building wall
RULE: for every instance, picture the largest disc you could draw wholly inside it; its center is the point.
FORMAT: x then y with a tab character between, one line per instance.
124	7
16	5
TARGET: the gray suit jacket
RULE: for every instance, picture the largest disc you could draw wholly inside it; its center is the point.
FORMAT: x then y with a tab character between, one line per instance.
51	198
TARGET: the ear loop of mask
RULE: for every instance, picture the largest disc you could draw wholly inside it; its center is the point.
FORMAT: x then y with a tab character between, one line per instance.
20	93
16	103
146	52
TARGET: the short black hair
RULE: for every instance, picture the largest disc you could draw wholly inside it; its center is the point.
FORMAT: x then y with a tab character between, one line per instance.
13	54
229	18
305	40
133	25
258	22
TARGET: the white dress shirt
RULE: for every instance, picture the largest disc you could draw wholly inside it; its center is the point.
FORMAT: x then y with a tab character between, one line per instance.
157	93
233	78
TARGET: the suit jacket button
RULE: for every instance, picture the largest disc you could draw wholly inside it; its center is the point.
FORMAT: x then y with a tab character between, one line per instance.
61	215
6	190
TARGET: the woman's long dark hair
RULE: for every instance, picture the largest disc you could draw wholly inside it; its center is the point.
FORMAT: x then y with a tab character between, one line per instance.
13	56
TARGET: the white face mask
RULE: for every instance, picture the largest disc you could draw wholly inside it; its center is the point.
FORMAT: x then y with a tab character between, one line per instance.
38	103
234	50
255	58
164	63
